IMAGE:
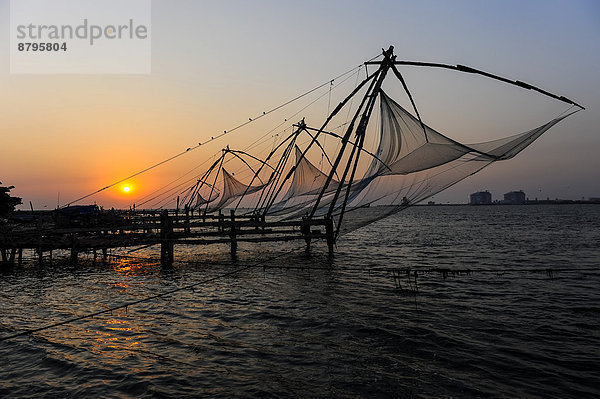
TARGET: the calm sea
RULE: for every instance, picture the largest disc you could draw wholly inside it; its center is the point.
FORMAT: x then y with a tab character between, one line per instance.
310	325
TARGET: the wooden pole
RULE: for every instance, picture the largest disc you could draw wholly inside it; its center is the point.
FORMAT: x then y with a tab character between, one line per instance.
305	230
187	220
166	235
233	237
11	258
74	251
329	232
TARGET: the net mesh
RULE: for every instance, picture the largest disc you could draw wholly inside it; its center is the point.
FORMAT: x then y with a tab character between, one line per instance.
409	163
232	189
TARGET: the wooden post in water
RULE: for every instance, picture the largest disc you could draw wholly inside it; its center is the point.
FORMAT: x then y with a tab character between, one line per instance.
11	257
74	250
305	230
8	256
329	231
232	236
187	220
166	236
39	235
74	254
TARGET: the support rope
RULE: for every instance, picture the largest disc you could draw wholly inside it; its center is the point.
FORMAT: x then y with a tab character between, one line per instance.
225	132
150	298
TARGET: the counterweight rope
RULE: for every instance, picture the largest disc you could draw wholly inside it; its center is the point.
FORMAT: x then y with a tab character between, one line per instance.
444	271
150	298
225	132
251	146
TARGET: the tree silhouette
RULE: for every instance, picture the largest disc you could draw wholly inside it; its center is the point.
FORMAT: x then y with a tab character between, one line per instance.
7	202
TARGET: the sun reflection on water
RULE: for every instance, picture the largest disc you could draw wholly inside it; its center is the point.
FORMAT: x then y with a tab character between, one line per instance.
130	267
117	333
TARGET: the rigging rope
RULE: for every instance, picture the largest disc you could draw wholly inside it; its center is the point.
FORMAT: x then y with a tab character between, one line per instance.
444	271
257	142
150	298
225	132
420	269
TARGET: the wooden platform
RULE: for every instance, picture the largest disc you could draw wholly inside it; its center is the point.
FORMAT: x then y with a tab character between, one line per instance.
166	228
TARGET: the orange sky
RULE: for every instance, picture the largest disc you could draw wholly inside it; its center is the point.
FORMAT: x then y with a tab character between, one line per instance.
213	66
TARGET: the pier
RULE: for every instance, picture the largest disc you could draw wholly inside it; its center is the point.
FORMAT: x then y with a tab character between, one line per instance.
167	228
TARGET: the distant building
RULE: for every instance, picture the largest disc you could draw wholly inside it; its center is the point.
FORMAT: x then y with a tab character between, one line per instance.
481	198
514	198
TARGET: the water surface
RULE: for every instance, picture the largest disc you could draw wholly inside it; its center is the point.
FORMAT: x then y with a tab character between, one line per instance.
310	325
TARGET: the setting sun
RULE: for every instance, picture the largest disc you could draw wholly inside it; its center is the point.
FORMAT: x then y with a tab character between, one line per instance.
126	189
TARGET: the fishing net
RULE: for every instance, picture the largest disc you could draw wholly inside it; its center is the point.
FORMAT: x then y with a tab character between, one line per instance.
412	162
232	189
407	162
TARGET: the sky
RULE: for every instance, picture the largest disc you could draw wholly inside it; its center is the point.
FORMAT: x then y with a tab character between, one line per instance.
214	64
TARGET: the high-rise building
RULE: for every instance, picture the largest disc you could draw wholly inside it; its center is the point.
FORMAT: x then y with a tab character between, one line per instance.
481	198
514	198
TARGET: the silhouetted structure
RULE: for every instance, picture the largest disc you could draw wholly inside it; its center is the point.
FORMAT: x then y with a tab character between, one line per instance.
481	198
91	230
405	163
514	198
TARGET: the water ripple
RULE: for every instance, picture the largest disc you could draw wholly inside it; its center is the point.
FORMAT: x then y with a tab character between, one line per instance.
335	327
